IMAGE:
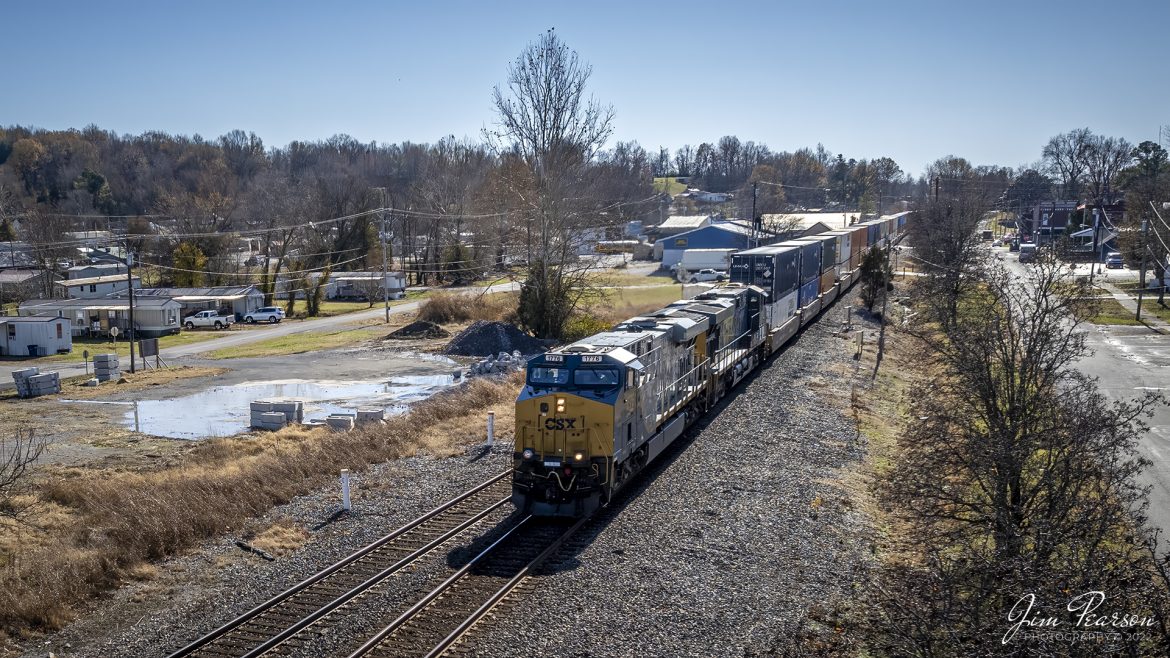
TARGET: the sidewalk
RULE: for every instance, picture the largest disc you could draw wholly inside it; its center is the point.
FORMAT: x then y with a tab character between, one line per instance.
1129	302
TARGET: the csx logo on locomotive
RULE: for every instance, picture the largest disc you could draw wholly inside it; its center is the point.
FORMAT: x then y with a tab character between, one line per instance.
559	423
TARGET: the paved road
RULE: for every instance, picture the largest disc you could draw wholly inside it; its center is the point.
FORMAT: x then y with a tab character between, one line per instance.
237	338
1128	361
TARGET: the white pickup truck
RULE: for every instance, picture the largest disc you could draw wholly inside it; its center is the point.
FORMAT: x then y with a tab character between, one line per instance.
208	319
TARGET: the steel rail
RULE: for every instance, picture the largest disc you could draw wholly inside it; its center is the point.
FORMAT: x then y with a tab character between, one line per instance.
418	607
504	591
291	592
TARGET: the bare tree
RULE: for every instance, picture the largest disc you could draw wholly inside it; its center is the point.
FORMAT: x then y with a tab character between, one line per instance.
1017	477
46	234
946	248
281	206
17	455
546	118
1105	157
1064	157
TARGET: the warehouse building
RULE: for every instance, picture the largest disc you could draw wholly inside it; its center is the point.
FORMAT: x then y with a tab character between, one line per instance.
724	235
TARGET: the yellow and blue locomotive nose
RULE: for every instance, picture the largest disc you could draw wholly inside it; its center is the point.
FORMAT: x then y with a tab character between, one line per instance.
564	445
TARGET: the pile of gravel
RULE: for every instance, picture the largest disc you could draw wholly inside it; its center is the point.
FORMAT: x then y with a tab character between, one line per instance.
487	338
419	329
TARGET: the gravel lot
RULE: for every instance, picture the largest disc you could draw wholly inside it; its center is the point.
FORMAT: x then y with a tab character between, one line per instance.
725	547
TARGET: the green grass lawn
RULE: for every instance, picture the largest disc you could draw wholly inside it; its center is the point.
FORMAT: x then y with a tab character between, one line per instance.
650	295
670	185
307	341
623	278
332	308
1112	312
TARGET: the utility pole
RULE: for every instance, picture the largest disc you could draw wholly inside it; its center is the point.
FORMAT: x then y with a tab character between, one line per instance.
130	283
755	219
382	236
1092	263
936	181
1142	272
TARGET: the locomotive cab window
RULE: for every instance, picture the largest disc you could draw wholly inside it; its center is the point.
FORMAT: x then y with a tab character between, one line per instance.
554	376
604	377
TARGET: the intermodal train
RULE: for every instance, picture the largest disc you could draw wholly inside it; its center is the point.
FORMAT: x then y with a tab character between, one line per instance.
594	413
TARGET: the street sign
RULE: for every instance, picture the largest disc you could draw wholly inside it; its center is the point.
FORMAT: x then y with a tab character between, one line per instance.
114	331
148	347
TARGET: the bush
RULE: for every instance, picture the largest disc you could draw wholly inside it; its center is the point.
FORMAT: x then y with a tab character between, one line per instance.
580	326
443	308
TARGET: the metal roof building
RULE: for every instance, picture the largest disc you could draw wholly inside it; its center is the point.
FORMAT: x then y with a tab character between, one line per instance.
723	235
238	300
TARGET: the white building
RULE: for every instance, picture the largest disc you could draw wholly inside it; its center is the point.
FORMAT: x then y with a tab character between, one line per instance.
95	270
35	336
97	287
235	300
153	316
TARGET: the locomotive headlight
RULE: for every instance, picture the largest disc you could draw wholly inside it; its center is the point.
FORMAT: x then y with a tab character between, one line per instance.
560	405
528	453
579	456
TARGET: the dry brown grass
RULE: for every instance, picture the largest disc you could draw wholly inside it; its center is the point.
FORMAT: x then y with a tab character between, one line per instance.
446	308
279	538
110	522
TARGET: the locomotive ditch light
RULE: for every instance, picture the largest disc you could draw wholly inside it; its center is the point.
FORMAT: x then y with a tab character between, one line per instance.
528	453
579	456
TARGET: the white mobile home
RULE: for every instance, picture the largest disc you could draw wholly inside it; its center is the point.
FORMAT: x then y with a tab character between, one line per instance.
35	336
235	300
153	317
98	287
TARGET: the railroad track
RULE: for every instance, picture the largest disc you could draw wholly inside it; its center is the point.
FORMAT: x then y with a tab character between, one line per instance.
285	615
442	617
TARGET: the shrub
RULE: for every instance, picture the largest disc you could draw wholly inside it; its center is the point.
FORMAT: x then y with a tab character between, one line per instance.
580	325
444	308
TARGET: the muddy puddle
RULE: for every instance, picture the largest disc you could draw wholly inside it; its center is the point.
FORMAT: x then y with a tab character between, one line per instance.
224	410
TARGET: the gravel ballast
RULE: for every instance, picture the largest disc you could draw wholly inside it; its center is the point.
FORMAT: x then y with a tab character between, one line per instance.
485	338
723	548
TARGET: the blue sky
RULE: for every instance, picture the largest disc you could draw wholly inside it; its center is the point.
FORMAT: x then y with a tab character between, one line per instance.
990	81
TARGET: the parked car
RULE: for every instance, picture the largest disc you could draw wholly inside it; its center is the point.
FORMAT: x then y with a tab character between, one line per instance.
1113	261
208	319
272	314
707	275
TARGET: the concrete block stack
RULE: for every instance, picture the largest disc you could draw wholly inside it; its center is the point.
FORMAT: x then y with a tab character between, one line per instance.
340	422
276	414
30	382
105	367
370	415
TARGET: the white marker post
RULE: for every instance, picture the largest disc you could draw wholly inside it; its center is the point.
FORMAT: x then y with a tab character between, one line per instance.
345	489
491	429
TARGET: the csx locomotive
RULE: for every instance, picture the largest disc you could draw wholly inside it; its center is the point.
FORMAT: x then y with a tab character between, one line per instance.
594	413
